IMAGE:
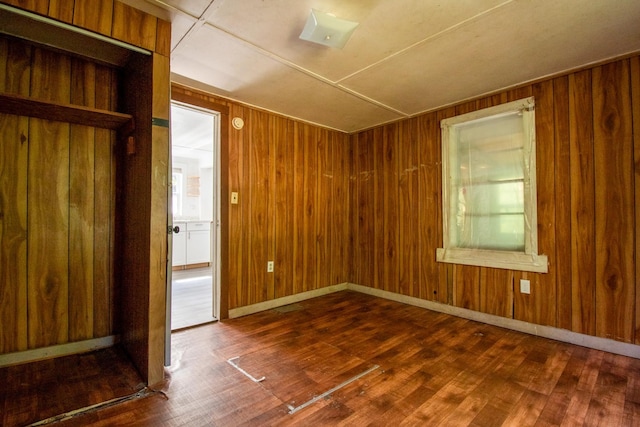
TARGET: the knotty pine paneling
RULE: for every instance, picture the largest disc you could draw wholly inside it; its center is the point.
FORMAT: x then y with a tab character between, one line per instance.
587	180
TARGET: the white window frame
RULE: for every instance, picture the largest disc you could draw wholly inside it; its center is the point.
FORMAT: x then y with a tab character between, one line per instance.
527	260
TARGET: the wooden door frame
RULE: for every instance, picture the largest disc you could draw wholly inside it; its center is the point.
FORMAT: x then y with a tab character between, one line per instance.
223	184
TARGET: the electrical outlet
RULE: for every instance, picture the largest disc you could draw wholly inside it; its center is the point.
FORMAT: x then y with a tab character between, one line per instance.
270	266
525	286
234	198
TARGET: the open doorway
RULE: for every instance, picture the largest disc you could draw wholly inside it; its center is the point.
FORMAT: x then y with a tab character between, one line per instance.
194	193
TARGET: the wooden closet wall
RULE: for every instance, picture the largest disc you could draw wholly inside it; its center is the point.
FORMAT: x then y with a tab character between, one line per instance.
58	182
83	209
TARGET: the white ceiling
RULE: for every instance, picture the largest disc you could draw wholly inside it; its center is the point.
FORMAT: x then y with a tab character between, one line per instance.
406	57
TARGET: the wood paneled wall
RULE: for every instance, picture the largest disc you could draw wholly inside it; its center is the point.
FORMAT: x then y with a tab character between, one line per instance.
292	181
588	181
56	276
59	281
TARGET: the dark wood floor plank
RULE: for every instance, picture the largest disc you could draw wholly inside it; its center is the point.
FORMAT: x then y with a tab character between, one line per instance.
434	369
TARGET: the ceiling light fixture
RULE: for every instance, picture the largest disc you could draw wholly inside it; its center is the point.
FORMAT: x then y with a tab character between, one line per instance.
325	29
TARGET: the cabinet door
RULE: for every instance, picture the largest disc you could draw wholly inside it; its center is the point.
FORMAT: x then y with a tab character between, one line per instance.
198	247
179	256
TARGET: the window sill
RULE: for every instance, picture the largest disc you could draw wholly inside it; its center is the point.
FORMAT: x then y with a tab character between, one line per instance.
517	261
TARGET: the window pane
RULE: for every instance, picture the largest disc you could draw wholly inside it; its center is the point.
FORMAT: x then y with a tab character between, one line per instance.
487	188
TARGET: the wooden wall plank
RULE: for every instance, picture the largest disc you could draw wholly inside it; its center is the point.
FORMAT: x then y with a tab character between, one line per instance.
48	210
408	231
15	62
104	211
81	207
390	231
38	6
430	206
236	180
341	209
310	237
635	107
614	201
364	195
94	15
562	202
61	10
325	203
582	203
260	186
378	233
282	130
298	213
133	26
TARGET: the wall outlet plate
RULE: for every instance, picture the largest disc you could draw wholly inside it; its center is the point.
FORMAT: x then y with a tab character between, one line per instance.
270	266
525	286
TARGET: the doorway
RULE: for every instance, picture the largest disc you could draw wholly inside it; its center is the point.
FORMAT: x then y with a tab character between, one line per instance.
195	135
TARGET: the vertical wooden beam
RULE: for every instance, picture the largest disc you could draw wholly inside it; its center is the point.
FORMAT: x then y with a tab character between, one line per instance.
614	201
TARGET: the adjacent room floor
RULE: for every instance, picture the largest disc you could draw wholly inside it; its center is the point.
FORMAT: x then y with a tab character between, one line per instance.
355	360
192	298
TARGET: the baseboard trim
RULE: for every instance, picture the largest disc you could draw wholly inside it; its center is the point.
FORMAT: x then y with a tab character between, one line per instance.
563	335
68	349
279	302
597	343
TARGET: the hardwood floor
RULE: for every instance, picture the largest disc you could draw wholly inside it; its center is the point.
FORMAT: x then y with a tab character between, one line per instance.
433	369
191	298
36	391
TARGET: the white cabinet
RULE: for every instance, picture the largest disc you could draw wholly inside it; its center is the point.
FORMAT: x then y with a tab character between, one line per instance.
192	244
198	242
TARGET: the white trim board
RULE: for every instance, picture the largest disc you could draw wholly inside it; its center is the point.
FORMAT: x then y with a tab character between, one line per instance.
597	343
279	302
37	354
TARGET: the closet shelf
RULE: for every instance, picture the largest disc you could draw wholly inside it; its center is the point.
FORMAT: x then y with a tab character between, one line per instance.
68	113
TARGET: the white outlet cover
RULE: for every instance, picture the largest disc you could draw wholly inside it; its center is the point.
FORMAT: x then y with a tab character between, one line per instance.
525	286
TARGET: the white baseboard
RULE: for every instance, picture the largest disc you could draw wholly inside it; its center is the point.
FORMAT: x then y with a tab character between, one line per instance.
279	302
597	343
56	351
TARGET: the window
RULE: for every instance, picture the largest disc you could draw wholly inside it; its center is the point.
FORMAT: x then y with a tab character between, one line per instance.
489	188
